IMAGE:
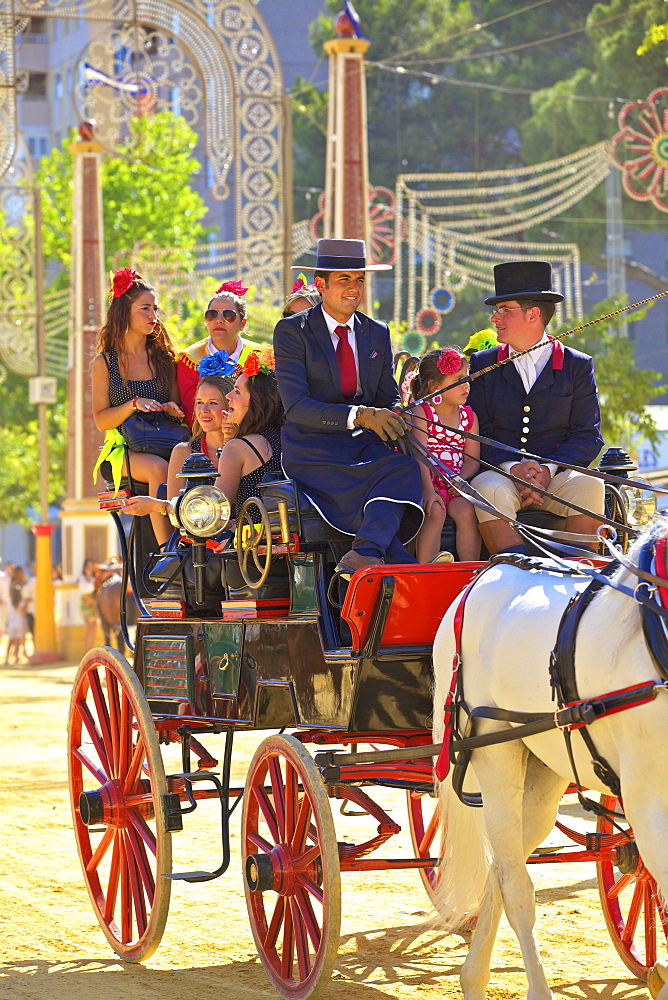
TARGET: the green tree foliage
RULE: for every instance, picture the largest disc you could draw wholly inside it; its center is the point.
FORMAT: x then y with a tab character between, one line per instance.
146	196
624	389
146	192
19	452
488	86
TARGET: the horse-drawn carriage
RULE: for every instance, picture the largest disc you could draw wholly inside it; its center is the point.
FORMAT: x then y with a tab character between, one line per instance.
262	638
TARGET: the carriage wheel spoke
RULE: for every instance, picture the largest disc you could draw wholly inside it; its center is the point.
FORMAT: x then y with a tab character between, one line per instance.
301	861
125	737
89	765
114	875
617	887
302	825
102	713
429	834
309	918
301	943
279	798
94	734
136	765
114	716
138	901
260	842
288	951
145	832
275	924
291	801
140	863
650	922
634	913
126	894
267	811
312	888
100	850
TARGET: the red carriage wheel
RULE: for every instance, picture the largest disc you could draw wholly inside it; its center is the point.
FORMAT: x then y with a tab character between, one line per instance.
636	918
423	822
117	784
291	857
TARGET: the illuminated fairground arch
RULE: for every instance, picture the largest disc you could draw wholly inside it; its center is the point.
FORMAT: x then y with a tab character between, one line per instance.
241	111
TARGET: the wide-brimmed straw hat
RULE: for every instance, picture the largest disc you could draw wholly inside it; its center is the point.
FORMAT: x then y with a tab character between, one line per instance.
523	279
341	255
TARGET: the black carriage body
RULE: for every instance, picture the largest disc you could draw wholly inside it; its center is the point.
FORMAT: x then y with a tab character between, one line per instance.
270	673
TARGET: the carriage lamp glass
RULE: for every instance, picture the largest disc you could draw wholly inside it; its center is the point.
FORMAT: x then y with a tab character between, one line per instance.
640	505
203	511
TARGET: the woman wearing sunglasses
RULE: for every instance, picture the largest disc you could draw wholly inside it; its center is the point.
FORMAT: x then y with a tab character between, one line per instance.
225	318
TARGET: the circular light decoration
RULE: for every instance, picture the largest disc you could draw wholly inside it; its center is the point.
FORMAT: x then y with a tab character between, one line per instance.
456	280
640	148
203	511
443	300
414	343
428	321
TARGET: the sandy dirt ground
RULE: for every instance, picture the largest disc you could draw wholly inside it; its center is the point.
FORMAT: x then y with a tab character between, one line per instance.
391	946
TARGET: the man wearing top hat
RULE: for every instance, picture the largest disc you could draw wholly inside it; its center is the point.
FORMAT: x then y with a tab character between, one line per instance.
334	368
545	403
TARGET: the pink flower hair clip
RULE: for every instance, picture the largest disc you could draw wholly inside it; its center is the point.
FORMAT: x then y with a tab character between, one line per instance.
122	282
234	287
450	361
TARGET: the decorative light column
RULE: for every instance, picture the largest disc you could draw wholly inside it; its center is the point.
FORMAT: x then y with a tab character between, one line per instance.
346	214
88	533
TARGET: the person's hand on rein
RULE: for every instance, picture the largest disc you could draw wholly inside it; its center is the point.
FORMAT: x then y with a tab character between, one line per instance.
386	424
533	474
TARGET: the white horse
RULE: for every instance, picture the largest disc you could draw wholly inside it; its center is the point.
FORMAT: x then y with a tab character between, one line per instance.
511	620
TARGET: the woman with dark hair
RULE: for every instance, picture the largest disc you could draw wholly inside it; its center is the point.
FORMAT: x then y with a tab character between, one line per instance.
225	318
134	370
256	412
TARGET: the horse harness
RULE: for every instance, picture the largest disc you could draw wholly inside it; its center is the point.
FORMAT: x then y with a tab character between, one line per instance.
573	712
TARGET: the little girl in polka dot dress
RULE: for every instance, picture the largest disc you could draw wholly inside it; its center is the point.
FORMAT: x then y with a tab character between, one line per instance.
437	371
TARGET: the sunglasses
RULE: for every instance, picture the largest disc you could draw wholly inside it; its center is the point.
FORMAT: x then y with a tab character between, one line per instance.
227	314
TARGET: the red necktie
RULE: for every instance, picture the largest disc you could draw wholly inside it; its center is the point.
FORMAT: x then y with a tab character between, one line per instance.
346	361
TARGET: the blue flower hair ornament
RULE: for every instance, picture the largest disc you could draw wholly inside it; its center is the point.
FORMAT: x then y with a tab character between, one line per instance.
216	364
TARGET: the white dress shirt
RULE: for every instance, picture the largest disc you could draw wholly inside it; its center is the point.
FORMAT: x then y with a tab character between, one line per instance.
529	367
236	353
352	340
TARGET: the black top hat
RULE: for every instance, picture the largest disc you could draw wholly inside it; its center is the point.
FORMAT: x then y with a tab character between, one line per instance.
341	255
523	279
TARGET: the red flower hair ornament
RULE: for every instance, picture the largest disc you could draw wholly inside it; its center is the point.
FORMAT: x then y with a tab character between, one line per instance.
233	287
122	282
257	363
301	282
450	361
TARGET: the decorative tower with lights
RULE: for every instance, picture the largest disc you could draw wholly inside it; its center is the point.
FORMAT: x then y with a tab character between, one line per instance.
346	208
88	533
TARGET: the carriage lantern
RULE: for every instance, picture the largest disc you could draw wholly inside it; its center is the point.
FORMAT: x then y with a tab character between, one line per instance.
201	509
637	506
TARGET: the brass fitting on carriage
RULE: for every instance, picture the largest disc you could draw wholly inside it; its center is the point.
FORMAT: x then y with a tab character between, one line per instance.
386	424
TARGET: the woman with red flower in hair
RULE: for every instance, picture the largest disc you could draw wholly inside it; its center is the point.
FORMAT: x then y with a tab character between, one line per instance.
438	370
225	318
134	370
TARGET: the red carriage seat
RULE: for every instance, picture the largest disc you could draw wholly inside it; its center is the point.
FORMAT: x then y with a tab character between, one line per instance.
422	594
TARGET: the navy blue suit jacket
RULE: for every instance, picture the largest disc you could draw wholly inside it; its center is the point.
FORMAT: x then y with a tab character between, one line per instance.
564	419
308	372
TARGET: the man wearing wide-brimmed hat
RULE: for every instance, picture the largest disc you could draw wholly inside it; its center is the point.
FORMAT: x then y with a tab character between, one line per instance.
334	368
544	403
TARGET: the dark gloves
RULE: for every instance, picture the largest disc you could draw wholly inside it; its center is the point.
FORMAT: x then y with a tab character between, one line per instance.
387	425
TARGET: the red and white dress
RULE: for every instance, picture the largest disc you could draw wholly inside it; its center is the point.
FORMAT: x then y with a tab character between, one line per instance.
448	446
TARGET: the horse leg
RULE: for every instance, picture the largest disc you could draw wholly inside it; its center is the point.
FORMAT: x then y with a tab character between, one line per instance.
504	773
